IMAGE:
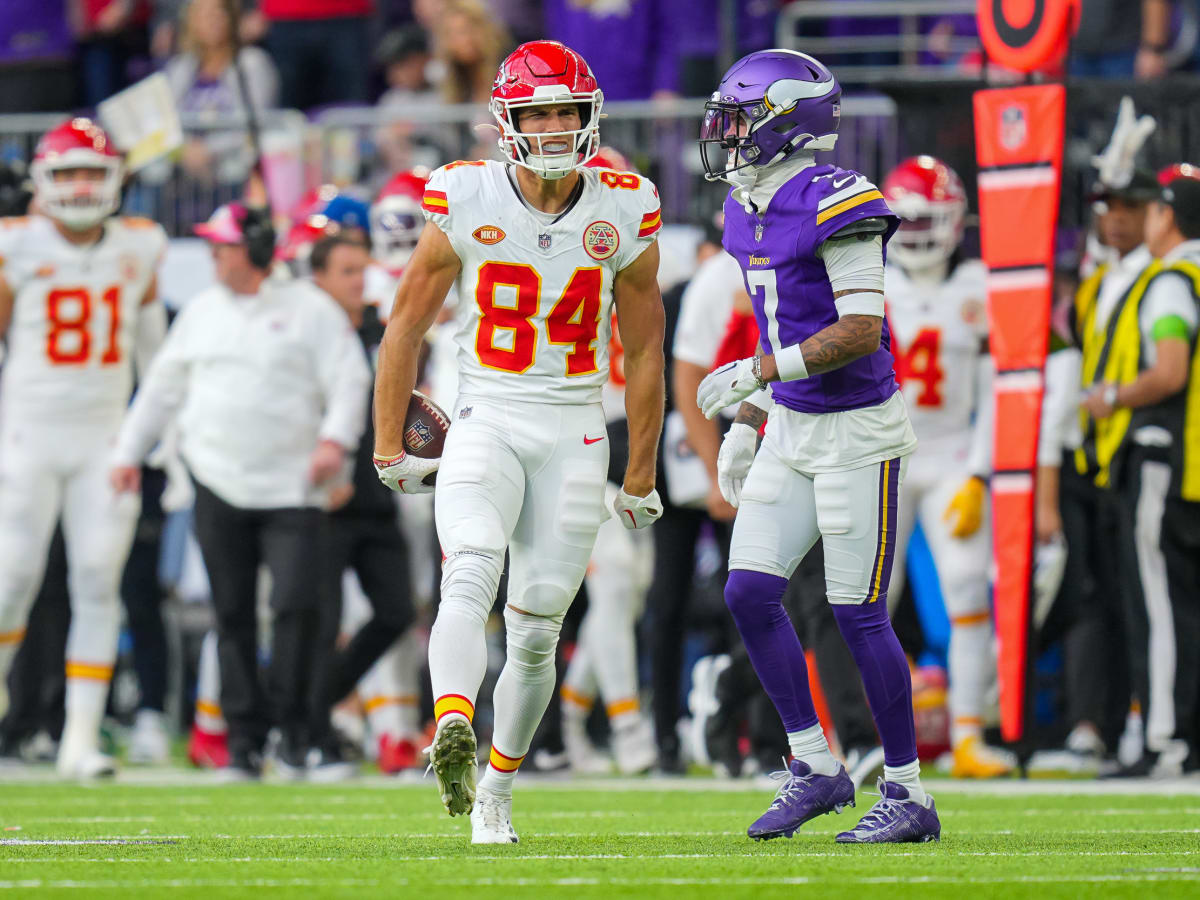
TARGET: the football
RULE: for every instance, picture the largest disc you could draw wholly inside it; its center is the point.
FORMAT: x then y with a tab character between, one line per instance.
425	428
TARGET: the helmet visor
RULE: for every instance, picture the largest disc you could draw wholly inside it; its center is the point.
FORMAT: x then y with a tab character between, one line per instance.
725	141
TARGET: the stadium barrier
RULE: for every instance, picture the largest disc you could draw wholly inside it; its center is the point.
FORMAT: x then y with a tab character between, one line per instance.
360	147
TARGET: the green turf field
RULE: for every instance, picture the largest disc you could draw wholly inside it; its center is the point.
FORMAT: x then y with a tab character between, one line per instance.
606	839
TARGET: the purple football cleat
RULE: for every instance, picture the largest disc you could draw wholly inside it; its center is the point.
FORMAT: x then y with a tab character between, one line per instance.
895	819
802	796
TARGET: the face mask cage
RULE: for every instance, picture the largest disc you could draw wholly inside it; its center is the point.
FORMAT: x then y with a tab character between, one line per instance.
394	236
726	145
518	146
929	233
78	203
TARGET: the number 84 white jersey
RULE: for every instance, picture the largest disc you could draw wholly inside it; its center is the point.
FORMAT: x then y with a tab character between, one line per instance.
535	290
74	317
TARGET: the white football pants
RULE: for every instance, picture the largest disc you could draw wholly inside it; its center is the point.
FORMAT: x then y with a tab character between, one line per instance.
47	471
962	568
529	477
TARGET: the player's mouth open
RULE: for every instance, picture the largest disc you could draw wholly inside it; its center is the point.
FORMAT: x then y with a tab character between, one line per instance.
555	146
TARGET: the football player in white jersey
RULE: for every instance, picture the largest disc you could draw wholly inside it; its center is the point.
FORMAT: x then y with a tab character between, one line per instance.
541	248
79	310
936	307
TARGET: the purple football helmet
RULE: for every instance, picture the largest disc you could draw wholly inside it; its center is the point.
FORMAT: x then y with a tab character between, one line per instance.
769	105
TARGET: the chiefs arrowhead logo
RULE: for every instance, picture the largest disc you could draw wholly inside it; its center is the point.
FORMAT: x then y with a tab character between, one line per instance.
488	234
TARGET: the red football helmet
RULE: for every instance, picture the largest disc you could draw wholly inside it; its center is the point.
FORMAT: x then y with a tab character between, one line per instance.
1167	174
928	197
396	219
539	73
78	202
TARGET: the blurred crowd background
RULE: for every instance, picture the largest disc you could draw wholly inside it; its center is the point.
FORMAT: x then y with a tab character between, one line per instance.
348	93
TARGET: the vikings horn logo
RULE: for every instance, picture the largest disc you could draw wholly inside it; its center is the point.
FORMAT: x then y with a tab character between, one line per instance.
783	95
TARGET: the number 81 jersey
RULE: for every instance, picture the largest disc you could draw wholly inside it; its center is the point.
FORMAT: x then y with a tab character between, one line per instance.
74	317
535	289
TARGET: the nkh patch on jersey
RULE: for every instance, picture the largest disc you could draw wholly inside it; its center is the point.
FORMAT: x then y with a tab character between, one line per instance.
536	321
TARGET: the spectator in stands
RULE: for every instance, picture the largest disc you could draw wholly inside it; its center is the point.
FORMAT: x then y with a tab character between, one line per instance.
699	43
322	49
110	33
204	80
1112	43
631	47
404	56
267	380
469	43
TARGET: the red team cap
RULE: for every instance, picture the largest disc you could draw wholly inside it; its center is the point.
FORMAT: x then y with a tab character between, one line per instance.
1167	174
539	73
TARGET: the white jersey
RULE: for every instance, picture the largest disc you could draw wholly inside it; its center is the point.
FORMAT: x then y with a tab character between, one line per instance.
937	333
536	295
75	316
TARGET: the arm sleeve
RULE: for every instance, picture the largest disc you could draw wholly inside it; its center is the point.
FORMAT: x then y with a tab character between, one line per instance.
855	265
1060	401
159	396
344	376
151	330
979	455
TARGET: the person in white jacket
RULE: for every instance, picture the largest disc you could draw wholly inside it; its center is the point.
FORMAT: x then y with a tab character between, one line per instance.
265	380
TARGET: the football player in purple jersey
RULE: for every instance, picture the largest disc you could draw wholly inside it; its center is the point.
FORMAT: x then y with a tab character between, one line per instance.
810	241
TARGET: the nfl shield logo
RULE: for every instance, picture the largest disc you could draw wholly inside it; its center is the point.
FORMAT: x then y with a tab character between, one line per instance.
544	241
1013	128
758	229
417	436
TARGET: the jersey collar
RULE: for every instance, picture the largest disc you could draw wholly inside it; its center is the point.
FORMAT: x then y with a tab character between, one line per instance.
757	195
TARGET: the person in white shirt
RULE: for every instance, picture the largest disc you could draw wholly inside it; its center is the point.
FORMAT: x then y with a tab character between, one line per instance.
265	379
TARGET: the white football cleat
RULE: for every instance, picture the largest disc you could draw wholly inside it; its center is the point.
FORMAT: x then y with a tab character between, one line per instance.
491	819
634	746
453	756
149	743
582	754
85	765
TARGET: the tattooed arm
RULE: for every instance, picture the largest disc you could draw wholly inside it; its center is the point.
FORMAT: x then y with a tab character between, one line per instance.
849	338
749	414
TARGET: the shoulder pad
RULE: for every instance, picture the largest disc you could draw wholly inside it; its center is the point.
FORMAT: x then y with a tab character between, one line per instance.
862	228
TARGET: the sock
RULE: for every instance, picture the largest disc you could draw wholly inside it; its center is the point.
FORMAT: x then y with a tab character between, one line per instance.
811	748
457	658
887	682
208	716
908	777
523	692
970	660
607	631
755	601
87	693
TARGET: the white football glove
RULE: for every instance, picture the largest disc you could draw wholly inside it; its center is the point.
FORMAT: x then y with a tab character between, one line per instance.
726	386
406	473
734	461
637	512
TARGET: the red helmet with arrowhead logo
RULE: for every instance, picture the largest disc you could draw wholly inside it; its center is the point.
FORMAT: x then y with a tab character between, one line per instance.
542	73
928	197
64	192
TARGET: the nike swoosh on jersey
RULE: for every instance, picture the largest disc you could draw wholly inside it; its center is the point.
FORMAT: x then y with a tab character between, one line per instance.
588	440
845	181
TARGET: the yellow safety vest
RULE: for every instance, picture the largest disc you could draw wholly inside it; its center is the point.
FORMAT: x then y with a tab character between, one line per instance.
1185	446
1111	354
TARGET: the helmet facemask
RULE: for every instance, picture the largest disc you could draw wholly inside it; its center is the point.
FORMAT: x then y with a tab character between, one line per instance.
929	232
79	203
523	148
396	224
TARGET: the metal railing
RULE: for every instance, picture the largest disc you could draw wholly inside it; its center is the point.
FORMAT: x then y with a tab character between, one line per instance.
359	148
873	41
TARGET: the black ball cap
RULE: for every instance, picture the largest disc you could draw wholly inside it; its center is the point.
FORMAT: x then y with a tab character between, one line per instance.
1142	188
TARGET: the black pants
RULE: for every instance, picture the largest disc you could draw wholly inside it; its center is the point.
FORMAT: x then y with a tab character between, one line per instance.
290	542
374	548
1162	625
142	595
321	61
668	604
1181	549
1090	619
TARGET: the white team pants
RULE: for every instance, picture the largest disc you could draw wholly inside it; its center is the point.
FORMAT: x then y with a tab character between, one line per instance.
47	470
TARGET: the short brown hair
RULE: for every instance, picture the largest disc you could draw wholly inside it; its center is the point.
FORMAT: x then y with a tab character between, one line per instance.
322	249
